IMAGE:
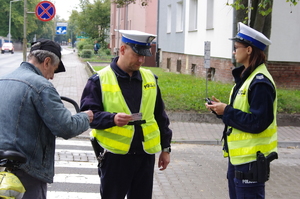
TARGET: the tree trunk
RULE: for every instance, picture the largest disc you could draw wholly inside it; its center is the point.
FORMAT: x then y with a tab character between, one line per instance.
257	21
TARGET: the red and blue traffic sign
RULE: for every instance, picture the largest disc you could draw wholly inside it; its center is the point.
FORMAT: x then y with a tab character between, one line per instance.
45	11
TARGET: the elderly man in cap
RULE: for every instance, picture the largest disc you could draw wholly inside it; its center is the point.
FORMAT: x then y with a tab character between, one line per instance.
33	115
250	133
130	123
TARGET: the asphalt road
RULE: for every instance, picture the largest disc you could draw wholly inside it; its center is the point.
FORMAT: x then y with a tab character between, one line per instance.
9	62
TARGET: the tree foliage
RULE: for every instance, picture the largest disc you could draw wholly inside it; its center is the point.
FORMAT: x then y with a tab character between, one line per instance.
260	18
34	25
93	21
264	7
123	3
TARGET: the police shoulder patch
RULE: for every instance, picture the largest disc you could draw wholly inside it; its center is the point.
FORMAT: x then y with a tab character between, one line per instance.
260	76
95	77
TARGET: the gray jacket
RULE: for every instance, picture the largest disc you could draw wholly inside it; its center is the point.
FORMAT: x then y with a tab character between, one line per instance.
32	115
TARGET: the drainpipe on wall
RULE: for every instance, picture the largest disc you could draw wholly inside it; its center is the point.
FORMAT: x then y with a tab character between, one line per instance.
157	54
234	31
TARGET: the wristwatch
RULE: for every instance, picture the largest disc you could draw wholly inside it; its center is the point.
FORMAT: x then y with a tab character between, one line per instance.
168	150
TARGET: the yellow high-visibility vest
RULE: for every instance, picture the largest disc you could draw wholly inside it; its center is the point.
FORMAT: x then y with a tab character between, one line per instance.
242	146
118	139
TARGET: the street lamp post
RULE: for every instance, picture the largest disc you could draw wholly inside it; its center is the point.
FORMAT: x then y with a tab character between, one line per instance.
25	31
9	35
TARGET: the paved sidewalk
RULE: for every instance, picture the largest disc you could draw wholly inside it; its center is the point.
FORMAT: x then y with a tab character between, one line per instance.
72	82
197	169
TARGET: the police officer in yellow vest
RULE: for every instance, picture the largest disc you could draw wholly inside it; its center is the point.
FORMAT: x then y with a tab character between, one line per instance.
129	122
250	134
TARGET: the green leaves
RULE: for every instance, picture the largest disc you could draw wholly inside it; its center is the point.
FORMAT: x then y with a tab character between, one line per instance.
93	20
294	2
123	3
264	6
34	26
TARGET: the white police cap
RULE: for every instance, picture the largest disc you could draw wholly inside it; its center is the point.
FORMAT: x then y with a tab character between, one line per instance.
251	36
140	42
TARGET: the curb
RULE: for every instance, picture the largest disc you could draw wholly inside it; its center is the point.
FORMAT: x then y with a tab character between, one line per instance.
288	144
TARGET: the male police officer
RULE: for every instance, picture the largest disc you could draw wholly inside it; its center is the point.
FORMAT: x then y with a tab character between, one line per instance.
130	122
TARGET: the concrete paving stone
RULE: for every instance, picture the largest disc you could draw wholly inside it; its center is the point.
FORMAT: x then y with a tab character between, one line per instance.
197	170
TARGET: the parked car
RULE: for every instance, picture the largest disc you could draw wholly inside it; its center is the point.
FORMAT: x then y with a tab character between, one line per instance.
7	47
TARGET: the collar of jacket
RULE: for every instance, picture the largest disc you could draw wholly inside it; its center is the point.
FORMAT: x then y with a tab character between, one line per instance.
31	67
120	73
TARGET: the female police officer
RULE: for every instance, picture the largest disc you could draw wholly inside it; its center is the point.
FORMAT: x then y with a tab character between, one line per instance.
250	133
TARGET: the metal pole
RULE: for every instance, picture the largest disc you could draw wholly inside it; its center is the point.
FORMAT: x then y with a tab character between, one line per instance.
249	12
54	29
206	83
25	31
9	25
9	21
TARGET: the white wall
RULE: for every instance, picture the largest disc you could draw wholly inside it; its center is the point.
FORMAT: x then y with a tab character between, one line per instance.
285	32
219	36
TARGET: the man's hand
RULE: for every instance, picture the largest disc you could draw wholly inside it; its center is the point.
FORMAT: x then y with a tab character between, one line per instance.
164	160
122	119
90	114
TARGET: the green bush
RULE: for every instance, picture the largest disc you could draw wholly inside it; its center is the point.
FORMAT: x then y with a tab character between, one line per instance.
82	43
106	51
86	53
88	46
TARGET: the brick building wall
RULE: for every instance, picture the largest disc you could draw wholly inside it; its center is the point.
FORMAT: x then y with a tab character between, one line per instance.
194	65
285	74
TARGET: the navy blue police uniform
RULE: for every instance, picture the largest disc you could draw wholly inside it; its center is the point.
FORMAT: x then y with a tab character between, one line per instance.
261	98
133	171
262	106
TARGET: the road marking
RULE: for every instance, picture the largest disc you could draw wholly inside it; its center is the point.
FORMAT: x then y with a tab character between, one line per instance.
71	195
73	143
76	178
72	164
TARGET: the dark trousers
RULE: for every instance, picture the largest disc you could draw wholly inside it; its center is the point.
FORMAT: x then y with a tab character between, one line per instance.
130	175
34	188
243	189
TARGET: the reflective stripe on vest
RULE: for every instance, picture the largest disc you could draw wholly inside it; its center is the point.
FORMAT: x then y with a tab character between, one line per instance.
118	139
243	146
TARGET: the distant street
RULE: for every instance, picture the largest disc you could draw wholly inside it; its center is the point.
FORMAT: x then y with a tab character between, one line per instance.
9	62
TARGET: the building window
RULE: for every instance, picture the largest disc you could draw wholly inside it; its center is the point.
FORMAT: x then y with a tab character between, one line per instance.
179	21
168	63
210	14
193	16
211	74
178	69
193	69
169	19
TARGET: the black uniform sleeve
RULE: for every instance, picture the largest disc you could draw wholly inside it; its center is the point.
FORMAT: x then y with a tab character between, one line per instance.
162	121
261	97
92	100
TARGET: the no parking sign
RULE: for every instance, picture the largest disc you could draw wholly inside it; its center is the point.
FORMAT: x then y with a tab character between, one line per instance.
45	11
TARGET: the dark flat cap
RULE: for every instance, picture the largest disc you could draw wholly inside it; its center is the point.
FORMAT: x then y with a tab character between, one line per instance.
51	46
